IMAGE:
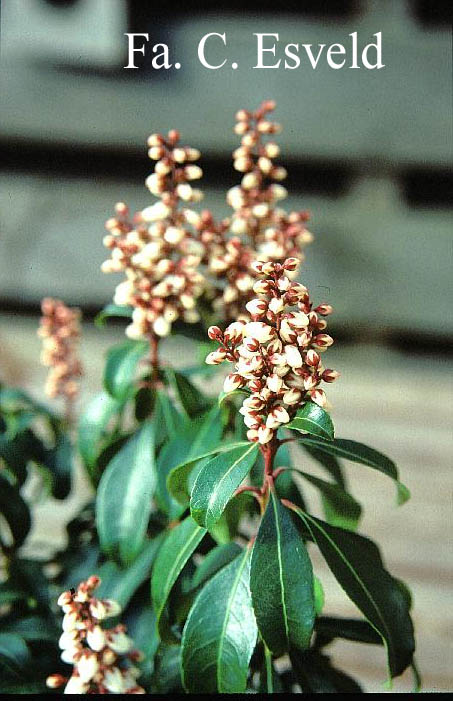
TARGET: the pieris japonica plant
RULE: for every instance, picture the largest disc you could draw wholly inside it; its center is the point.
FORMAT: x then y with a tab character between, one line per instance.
189	569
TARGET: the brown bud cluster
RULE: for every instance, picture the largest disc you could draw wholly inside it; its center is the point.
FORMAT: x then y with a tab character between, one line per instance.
261	229
60	331
277	354
159	250
102	658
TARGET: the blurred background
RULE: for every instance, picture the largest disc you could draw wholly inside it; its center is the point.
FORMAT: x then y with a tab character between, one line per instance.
369	153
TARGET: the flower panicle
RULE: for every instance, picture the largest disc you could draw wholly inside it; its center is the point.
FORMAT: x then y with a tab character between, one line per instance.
277	354
60	332
103	659
159	248
260	228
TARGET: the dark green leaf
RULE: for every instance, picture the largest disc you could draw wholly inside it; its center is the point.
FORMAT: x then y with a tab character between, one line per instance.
220	632
327	628
364	455
59	461
340	508
217	558
15	512
92	425
223	396
120	367
124	497
191	398
167	672
14	656
316	675
282	582
112	310
217	481
173	555
329	462
226	528
168	420
314	420
177	480
33	629
121	583
356	563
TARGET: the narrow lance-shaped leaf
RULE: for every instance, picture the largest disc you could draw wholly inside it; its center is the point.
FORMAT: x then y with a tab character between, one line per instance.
220	633
314	420
217	481
120	368
178	478
340	508
124	497
281	582
356	563
364	455
173	555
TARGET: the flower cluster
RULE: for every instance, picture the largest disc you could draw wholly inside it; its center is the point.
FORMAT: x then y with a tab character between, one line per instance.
158	249
102	659
277	354
60	331
261	229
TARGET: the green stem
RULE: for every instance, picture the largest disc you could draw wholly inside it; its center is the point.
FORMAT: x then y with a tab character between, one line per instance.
269	678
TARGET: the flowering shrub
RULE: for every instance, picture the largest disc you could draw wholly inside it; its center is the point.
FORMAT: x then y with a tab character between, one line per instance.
198	532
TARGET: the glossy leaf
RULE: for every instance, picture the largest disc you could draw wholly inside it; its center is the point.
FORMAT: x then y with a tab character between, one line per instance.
15	512
231	395
124	497
328	462
314	420
120	367
169	421
173	555
316	675
356	563
178	478
112	311
281	582
59	460
195	437
217	481
14	656
92	425
328	628
191	398
220	633
364	455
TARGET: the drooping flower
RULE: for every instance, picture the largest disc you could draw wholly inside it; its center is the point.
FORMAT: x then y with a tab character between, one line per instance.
276	354
102	659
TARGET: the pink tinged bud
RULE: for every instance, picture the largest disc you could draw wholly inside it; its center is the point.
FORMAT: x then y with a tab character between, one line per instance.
70	621
257	266
216	357
234	331
276	305
274	383
291	264
318	397
277	416
321	325
283	284
261	287
298	320
55	681
232	382
322	341
87	667
76	686
292	397
312	358
310	382
250	421
265	435
108	657
96	638
251	345
252	435
330	375
161	326
287	333
68	640
303	339
112	607
324	309
69	654
256	307
214	333
64	598
120	642
260	331
293	356
98	610
113	681
278	359
256	385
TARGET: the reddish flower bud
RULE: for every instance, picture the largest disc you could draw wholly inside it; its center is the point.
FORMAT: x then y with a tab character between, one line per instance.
330	375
